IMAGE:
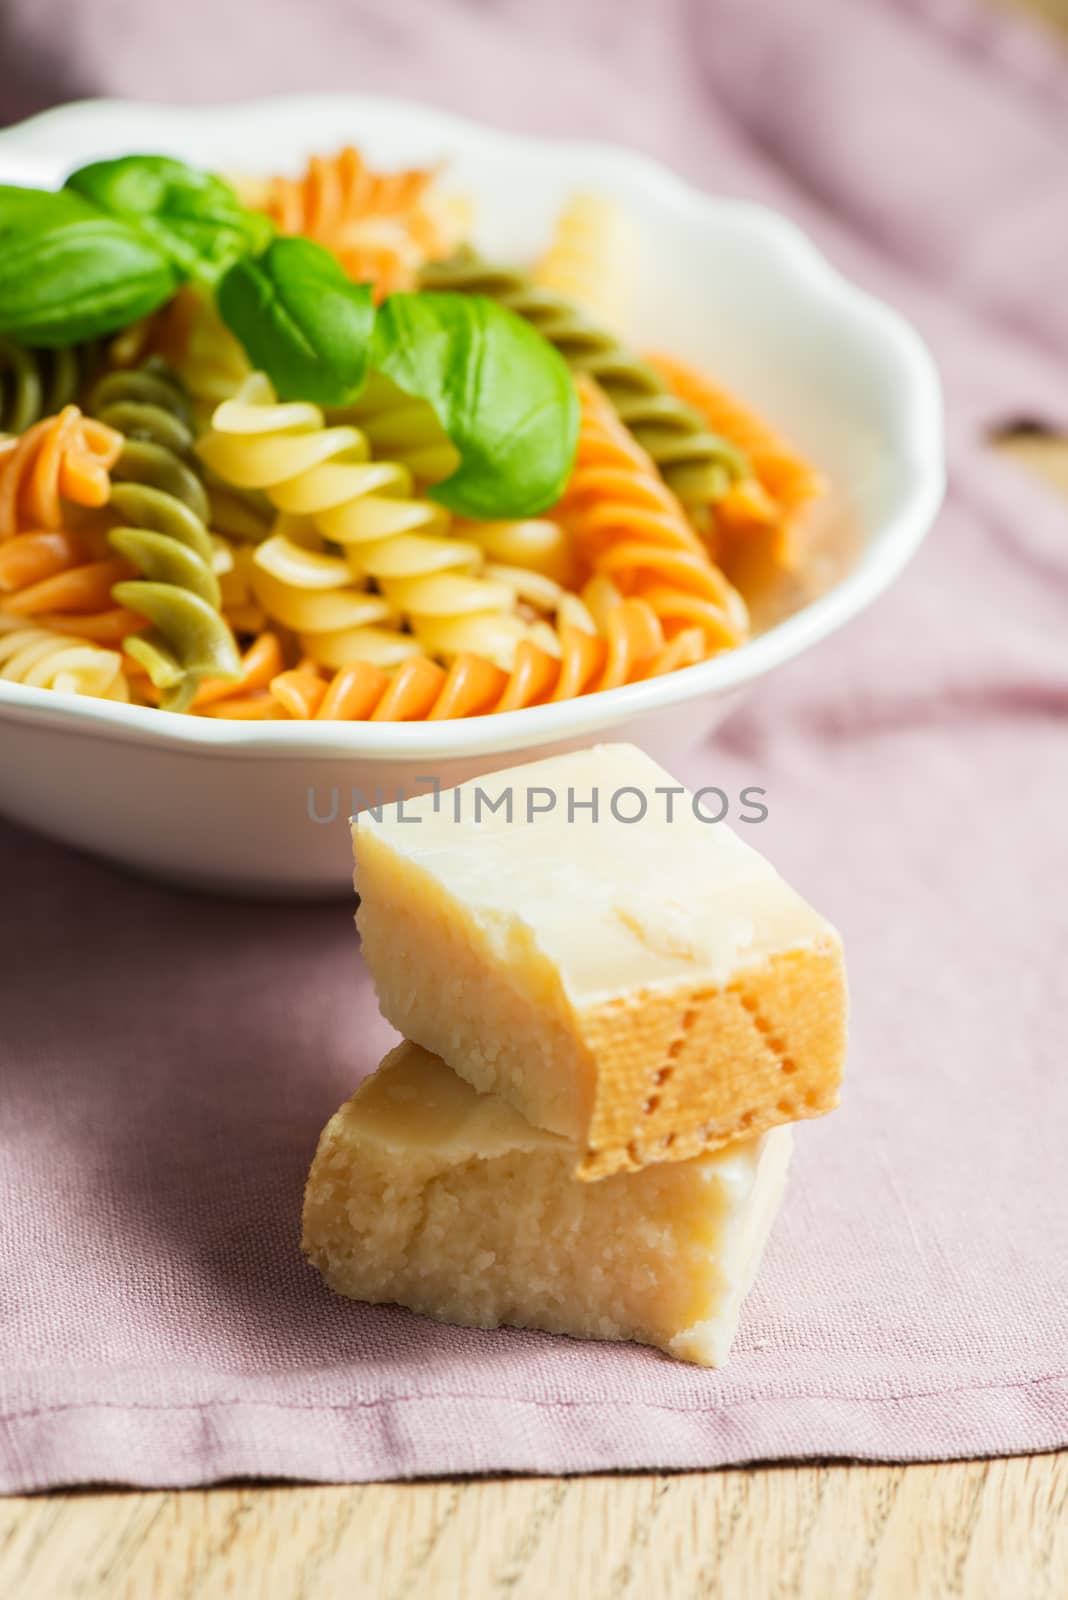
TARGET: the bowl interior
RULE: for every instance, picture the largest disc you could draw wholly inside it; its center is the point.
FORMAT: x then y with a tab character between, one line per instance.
729	286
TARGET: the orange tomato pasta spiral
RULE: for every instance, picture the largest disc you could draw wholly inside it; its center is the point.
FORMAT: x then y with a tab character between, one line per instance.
382	226
629	526
600	642
62	458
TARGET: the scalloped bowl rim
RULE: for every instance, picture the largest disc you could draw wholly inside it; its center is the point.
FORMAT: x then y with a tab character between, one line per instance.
892	544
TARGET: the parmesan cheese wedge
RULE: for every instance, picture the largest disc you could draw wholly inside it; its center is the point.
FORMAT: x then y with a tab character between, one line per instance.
425	1193
647	989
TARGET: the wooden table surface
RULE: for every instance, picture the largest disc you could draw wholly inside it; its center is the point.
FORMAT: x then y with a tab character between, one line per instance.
984	1530
978	1530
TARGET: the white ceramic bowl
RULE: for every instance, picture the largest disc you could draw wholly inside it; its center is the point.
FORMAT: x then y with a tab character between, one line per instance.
239	808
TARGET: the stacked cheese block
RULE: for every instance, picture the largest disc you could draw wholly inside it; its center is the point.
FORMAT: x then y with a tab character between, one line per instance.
612	1010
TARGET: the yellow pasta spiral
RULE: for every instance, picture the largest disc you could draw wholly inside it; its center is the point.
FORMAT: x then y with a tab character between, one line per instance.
537	544
590	259
43	659
205	354
347	522
402	428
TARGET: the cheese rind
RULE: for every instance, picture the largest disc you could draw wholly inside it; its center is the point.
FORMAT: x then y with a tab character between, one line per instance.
647	990
425	1193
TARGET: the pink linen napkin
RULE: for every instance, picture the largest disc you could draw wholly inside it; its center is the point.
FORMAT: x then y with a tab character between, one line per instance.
166	1062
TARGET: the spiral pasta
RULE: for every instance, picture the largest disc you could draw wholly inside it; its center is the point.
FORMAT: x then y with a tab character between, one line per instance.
697	464
334	497
204	354
173	534
43	659
28	559
211	366
162	533
39	383
400	427
421	689
240	607
590	259
60	459
628	526
788	482
381	226
535	544
54	576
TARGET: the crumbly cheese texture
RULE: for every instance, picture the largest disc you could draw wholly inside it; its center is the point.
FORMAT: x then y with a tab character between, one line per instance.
648	990
425	1193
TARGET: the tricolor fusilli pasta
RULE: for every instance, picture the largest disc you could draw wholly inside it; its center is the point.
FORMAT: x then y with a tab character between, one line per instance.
628	526
421	689
788	482
202	351
183	529
333	494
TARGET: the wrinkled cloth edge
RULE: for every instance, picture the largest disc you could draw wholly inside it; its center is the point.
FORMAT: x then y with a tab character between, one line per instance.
389	1440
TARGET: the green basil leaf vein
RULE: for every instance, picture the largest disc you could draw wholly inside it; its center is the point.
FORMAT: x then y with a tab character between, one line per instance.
194	217
301	320
501	392
67	273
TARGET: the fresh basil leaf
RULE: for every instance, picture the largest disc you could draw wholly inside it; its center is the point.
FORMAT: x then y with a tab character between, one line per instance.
67	273
194	217
301	320
36	210
501	392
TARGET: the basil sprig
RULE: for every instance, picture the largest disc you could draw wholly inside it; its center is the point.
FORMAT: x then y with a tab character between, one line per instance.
117	241
68	272
501	392
114	244
301	320
193	217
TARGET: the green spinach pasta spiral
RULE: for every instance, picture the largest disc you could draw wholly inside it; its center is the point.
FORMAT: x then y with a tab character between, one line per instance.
697	464
163	509
39	383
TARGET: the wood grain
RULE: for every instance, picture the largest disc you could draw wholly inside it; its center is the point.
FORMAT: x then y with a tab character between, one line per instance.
981	1530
